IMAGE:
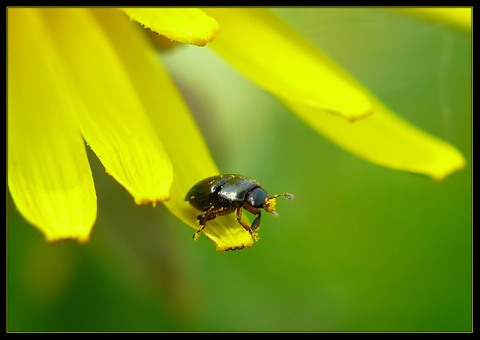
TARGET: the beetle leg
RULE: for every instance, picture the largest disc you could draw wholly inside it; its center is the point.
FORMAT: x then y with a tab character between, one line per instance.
202	220
209	215
245	226
256	222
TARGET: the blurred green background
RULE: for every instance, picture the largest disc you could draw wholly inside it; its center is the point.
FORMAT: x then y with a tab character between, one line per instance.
360	248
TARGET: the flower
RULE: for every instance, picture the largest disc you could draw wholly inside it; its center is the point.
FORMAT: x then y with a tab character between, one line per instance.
91	73
94	75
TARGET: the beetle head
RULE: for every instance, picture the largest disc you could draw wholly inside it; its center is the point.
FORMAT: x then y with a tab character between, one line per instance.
259	198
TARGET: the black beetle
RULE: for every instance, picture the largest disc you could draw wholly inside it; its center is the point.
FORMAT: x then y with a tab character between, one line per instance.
223	194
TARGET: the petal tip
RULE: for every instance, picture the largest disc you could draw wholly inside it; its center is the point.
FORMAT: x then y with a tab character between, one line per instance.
153	201
440	177
233	248
58	239
352	118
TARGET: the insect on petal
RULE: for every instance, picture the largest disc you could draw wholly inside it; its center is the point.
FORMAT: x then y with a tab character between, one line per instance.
181	139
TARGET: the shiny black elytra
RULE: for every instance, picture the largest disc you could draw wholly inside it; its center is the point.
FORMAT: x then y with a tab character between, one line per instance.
223	194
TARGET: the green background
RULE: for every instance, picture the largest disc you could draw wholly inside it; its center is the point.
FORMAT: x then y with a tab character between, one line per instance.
360	248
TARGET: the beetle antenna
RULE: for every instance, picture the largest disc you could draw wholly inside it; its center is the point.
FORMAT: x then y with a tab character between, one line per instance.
287	196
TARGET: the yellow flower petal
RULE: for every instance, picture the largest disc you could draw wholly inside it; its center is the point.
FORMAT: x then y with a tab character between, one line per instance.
386	139
460	17
186	25
48	172
109	111
180	136
272	55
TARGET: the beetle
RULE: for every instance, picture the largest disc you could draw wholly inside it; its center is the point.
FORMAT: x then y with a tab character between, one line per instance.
224	194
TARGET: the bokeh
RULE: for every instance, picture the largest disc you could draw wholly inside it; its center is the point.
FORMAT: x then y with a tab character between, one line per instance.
360	248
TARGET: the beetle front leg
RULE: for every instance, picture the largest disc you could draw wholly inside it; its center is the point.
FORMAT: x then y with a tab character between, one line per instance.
256	222
245	226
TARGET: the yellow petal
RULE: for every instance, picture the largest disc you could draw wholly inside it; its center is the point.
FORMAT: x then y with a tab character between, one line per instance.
386	139
272	55
48	172
180	136
109	111
186	25
460	17
250	41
